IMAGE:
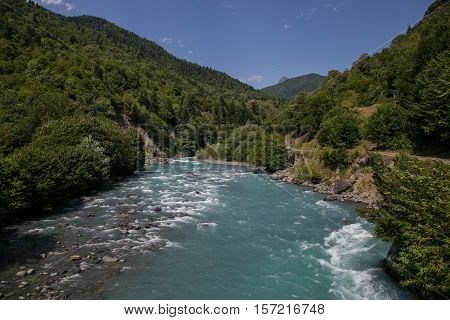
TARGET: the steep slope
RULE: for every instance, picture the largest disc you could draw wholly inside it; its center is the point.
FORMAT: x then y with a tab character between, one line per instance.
409	80
289	88
78	94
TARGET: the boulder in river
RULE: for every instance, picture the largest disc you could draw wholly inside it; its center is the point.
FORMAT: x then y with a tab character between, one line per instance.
21	273
158	208
341	185
30	271
75	257
107	259
331	197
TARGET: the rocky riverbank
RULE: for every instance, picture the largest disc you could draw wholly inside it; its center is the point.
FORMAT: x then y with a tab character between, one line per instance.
71	256
358	187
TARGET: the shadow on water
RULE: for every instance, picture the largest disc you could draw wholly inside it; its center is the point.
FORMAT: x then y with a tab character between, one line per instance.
22	249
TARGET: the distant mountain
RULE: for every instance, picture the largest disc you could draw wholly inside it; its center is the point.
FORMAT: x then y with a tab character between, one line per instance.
283	79
289	88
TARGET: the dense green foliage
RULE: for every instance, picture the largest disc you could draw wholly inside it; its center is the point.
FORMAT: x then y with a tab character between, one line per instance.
415	214
335	158
390	128
412	74
250	144
67	158
56	73
289	88
339	129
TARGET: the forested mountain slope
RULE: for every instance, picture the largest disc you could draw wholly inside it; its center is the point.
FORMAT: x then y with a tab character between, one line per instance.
73	89
289	88
407	82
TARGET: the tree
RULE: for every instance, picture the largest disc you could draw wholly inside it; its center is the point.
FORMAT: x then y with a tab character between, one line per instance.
389	128
414	215
433	110
339	129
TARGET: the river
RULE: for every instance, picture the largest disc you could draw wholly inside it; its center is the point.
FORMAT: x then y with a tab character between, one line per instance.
191	230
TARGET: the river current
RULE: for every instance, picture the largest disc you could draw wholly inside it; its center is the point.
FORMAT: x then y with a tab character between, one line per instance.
249	237
192	230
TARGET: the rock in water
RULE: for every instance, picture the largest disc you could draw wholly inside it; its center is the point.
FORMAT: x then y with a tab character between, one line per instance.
158	208
72	258
30	271
331	197
341	185
22	273
107	259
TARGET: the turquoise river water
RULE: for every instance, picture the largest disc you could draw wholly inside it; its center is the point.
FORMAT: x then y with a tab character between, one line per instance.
245	236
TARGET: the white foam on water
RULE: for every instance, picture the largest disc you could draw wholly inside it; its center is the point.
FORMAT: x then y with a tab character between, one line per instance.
327	205
343	245
206	225
305	245
39	230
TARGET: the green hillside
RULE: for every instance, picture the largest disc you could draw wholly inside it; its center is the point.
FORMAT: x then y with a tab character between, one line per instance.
408	83
73	92
289	88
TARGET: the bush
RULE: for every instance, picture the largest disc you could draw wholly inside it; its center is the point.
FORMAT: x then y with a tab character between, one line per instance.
67	158
389	128
311	170
335	158
340	129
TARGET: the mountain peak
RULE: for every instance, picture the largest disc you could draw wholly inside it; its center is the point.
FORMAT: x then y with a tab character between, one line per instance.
283	79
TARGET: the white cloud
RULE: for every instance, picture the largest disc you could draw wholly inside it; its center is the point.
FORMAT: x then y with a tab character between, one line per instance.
227	6
253	78
60	3
166	40
190	52
180	43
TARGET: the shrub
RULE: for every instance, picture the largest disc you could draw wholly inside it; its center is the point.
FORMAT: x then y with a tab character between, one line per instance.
335	158
311	170
340	129
389	128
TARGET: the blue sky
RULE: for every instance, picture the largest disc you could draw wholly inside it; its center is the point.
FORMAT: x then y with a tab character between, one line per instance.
259	41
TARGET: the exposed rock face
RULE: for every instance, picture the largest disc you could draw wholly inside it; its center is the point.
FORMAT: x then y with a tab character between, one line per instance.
341	185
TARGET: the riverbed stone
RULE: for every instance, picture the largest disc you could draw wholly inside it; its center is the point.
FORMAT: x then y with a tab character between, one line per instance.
74	257
331	197
341	185
107	259
22	273
54	274
158	208
30	271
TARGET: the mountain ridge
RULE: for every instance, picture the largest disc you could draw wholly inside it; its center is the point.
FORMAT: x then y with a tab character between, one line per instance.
288	88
